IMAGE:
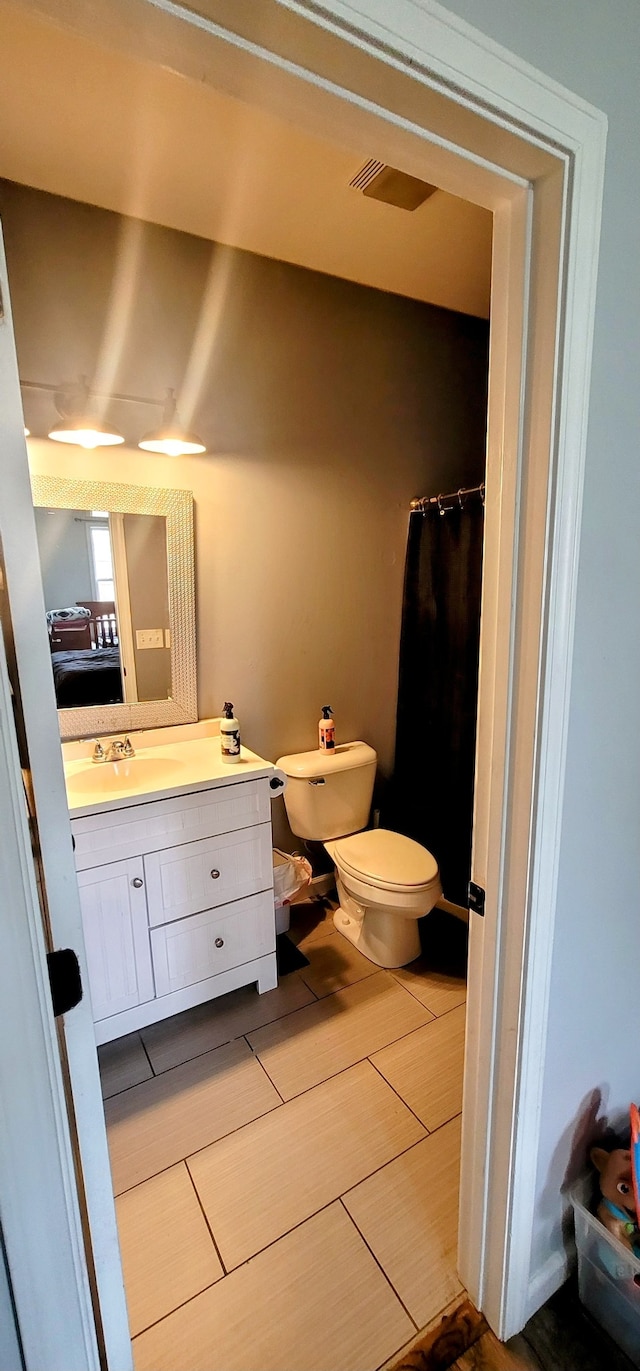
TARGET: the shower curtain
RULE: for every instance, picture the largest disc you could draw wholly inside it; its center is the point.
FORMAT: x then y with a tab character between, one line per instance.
438	686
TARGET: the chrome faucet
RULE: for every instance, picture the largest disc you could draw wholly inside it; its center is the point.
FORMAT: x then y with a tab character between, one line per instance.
116	751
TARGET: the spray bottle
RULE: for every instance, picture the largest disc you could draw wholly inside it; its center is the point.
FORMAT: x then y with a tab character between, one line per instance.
229	735
327	730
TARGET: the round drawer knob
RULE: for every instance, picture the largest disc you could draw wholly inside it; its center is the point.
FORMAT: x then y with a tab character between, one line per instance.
219	942
215	874
137	882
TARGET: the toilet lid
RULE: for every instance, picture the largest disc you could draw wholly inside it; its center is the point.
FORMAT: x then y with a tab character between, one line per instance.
386	860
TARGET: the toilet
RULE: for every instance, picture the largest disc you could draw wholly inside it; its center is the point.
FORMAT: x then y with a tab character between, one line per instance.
386	882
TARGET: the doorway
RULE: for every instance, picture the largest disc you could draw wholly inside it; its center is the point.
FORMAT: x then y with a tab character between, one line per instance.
517	694
149	1070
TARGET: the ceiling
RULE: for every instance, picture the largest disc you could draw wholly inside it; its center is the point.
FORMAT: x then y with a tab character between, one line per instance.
93	124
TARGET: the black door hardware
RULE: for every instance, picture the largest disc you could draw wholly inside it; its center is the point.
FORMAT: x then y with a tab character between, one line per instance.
476	898
64	979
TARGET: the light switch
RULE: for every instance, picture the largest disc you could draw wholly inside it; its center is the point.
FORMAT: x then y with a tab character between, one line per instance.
149	637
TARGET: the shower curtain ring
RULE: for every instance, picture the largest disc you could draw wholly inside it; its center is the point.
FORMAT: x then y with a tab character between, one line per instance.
460	497
440	509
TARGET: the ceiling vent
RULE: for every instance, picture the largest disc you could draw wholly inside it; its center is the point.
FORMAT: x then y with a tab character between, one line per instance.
393	187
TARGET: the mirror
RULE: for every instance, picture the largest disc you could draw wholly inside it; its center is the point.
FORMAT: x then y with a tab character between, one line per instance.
106	598
117	572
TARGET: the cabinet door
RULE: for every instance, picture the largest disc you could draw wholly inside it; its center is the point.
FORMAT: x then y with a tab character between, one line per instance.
196	876
116	935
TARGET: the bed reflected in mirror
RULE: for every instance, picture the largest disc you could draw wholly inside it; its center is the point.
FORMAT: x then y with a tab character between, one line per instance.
107	605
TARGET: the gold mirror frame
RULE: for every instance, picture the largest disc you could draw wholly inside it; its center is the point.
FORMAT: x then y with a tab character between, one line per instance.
176	506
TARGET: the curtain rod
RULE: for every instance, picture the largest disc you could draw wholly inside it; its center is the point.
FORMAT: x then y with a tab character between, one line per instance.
457	496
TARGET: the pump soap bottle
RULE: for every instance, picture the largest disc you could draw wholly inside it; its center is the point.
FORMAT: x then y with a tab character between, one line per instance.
327	731
229	735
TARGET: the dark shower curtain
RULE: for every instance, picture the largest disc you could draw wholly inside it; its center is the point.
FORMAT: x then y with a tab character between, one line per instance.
438	686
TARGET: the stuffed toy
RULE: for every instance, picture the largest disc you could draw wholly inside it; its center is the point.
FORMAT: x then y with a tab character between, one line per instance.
617	1207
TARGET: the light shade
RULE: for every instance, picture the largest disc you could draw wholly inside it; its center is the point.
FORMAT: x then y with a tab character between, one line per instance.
78	422
171	438
86	432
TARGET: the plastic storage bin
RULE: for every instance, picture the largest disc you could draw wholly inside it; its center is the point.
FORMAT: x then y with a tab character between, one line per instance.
607	1275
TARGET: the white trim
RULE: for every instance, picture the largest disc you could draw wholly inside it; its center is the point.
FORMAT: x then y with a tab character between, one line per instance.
511	253
547	1280
457	910
123	608
582	210
91	558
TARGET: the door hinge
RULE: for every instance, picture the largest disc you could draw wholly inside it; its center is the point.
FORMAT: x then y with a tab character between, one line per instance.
64	979
476	898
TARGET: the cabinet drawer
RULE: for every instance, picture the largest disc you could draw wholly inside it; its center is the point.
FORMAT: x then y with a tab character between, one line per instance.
193	949
183	880
157	824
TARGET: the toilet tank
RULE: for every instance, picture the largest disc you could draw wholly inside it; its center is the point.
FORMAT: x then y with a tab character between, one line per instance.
329	794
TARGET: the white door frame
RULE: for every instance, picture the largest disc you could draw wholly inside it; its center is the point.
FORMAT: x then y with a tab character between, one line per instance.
430	94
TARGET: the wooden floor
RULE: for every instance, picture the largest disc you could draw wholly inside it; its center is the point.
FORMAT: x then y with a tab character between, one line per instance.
560	1337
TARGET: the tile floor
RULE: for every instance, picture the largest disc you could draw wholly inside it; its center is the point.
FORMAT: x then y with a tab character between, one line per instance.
286	1166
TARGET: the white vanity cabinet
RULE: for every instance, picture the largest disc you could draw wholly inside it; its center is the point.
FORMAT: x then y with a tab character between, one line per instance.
177	900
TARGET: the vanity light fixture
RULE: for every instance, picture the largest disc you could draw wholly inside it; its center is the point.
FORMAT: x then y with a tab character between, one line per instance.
78	424
27	432
171	438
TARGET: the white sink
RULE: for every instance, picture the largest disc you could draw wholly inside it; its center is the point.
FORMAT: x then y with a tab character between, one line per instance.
179	760
133	773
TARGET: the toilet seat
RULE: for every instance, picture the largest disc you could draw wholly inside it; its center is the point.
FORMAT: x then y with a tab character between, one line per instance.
385	860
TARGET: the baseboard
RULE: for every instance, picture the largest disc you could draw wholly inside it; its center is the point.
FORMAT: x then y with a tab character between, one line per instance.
457	910
324	884
318	885
547	1280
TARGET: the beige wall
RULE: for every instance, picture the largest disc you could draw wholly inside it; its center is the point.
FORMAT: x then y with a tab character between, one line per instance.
145	537
326	406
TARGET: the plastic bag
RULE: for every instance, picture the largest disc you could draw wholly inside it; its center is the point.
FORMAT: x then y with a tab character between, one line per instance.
291	876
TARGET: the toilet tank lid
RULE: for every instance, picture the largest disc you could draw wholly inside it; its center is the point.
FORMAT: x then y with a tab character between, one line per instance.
347	756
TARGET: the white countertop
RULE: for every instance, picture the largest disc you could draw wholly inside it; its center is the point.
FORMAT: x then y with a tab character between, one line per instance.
171	761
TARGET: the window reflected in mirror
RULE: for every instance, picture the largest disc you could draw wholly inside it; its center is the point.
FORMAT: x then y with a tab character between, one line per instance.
107	605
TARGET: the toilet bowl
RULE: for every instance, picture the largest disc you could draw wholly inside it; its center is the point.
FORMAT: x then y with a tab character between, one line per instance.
385	882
